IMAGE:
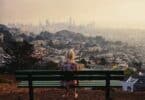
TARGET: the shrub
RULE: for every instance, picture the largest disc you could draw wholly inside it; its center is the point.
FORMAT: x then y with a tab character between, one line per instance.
130	72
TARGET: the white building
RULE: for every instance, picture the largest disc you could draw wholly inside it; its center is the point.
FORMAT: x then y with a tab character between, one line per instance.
1	38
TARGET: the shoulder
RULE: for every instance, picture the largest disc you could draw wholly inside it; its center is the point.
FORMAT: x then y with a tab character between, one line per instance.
74	64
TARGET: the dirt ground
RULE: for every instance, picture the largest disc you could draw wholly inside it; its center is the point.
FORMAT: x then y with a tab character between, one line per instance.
11	92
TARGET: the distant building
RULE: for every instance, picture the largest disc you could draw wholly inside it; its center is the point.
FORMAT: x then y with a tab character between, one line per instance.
19	39
39	43
1	38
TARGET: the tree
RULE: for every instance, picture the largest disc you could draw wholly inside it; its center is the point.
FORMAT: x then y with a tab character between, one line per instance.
83	61
103	61
20	53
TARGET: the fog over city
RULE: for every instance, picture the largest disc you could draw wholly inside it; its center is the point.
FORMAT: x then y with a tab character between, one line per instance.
104	13
126	18
131	36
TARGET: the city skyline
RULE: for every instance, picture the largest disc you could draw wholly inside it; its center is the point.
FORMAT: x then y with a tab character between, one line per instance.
103	13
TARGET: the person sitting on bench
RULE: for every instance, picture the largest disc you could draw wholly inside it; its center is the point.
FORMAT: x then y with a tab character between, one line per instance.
69	65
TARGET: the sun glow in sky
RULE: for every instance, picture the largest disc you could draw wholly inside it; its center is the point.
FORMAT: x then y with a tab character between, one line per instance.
104	13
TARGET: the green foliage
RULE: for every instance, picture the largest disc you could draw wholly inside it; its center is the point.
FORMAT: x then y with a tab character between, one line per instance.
129	72
52	65
20	54
83	61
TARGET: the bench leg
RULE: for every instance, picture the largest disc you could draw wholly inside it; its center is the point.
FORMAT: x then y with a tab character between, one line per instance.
31	97
107	90
107	94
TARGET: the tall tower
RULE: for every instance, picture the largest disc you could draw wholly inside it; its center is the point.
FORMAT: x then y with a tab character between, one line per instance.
47	25
70	23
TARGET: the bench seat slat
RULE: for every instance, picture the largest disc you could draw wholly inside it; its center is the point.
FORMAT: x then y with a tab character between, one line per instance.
97	83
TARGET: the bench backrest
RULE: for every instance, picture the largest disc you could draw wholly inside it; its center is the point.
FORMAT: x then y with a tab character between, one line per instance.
43	75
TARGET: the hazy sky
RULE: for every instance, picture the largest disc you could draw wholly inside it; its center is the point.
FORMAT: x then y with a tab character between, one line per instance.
105	13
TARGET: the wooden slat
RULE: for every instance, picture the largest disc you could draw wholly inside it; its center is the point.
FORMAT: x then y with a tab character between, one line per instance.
79	77
40	84
58	72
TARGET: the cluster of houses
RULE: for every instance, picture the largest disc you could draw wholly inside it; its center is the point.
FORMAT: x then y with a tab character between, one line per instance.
53	47
94	55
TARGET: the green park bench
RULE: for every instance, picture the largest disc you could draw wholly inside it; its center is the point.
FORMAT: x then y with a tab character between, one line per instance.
51	79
